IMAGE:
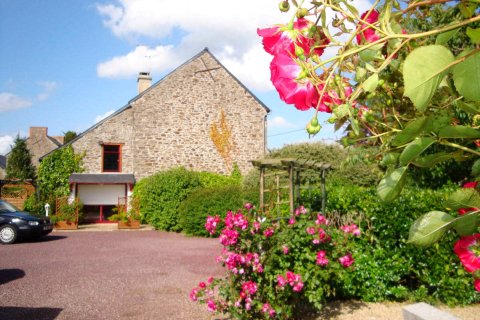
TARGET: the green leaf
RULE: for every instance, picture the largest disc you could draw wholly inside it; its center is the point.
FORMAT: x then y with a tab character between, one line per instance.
463	198
371	83
392	184
423	71
459	132
341	111
372	53
432	159
410	132
443	38
474	35
467	224
476	168
429	228
414	149
390	158
466	76
473	108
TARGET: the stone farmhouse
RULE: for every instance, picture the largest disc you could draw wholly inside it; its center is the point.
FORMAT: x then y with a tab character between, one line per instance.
199	116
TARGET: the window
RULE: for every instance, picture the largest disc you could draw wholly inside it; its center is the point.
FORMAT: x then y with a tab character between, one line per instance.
112	161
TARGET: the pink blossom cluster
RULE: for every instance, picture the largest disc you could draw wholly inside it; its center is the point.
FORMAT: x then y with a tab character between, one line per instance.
294	280
229	237
322	235
266	308
321	220
211	224
347	260
468	251
237	263
236	220
268	232
321	258
367	33
202	289
352	229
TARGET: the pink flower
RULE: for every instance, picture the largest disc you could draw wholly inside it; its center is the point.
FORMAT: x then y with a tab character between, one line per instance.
352	229
285	249
292	278
248	206
301	37
321	220
467	249
256	227
249	287
290	80
266	308
321	258
298	286
211	306
471	184
229	237
316	241
268	232
291	220
193	294
211	224
300	210
202	285
477	284
346	260
210	280
367	33
281	282
311	231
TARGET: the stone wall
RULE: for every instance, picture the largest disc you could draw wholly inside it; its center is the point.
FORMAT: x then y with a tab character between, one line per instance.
171	123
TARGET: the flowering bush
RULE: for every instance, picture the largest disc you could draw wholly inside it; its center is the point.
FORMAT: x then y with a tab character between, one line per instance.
412	92
274	266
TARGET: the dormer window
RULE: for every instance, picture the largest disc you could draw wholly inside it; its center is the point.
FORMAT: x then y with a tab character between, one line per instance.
112	158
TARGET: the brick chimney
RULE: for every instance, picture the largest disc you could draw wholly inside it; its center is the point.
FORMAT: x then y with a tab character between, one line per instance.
144	81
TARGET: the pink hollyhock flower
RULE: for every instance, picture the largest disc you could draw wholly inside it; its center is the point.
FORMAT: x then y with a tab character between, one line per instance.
289	78
281	281
321	258
286	39
468	250
310	230
477	284
367	33
298	286
193	294
211	224
211	306
346	260
285	249
291	220
268	232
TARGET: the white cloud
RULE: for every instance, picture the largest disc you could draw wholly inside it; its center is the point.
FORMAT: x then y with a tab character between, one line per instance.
103	116
48	88
5	144
279	122
10	101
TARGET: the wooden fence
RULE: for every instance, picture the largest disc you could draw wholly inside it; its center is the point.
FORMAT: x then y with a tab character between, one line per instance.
16	192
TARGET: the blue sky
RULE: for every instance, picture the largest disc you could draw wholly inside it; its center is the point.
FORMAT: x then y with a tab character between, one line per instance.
66	64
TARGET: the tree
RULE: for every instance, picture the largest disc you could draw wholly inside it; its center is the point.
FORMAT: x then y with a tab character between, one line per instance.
54	171
69	136
19	163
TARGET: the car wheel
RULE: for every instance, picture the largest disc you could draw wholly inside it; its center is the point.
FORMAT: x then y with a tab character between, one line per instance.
8	234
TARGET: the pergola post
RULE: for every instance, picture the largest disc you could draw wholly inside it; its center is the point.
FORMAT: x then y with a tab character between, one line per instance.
262	186
290	187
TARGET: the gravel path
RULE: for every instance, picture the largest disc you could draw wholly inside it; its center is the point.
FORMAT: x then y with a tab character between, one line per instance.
105	275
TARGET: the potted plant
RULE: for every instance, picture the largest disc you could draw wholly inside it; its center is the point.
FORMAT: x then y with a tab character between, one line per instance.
127	219
67	216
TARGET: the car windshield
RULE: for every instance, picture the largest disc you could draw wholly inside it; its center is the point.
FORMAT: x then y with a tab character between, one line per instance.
6	207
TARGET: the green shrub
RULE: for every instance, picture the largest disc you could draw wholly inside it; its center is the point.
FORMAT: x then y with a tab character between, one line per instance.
160	196
203	202
34	207
213	180
387	268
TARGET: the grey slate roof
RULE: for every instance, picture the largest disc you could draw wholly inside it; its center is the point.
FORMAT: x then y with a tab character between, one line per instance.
113	178
3	162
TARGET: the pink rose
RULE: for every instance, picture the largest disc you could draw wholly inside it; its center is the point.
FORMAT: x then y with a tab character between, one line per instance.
211	306
367	33
346	260
321	258
281	281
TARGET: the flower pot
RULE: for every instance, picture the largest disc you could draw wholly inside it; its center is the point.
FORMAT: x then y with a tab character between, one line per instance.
65	225
130	224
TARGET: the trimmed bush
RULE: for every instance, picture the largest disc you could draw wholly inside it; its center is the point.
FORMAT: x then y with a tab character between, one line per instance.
160	196
387	268
213	180
203	202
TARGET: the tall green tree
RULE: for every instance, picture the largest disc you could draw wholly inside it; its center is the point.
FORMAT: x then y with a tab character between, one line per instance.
19	163
69	136
54	171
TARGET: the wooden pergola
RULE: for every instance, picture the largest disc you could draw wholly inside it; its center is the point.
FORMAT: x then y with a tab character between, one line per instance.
292	169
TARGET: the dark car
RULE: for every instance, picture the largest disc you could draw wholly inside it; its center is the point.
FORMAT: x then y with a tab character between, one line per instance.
16	224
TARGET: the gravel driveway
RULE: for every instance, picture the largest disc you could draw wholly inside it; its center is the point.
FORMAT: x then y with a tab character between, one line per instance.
105	275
